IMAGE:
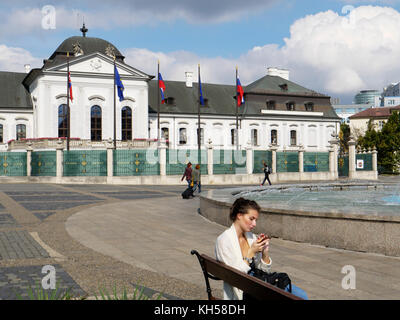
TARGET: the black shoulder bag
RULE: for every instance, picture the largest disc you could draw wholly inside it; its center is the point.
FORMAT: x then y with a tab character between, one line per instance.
278	279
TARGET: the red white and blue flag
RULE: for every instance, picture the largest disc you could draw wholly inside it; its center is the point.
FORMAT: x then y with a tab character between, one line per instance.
240	93
70	86
161	84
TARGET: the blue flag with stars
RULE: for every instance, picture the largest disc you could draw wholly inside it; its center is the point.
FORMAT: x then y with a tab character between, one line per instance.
119	84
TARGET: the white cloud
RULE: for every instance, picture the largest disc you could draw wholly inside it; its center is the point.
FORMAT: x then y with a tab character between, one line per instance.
328	52
14	59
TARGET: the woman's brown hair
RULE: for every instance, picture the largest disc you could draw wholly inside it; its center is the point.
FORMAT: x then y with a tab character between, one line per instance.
242	205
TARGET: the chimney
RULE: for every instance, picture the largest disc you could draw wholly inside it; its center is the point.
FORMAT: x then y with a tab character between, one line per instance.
189	79
27	68
283	73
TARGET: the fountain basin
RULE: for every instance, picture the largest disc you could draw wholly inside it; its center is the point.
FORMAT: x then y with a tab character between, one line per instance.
323	214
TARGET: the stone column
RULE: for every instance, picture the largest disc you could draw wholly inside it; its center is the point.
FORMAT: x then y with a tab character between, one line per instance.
333	163
210	158
301	160
59	160
249	158
273	148
162	153
110	158
375	162
29	159
352	158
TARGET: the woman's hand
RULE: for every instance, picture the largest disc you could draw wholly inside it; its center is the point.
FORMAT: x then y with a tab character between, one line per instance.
258	246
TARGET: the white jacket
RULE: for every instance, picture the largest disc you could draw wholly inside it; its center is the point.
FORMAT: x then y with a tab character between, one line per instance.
227	250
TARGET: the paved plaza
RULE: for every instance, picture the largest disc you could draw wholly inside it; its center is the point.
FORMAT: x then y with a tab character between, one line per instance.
106	236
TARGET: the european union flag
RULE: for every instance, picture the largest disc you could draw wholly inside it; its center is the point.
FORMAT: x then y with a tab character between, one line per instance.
201	92
119	84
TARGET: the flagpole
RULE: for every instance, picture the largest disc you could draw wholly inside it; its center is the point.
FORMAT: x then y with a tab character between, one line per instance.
115	110
158	104
198	124
237	113
68	112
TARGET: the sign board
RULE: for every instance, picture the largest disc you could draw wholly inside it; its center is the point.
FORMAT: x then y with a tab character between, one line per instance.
360	164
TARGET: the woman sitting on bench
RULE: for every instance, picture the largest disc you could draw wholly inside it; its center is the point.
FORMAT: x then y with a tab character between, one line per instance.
237	246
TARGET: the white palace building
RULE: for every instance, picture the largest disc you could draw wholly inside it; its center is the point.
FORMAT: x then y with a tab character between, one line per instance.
33	106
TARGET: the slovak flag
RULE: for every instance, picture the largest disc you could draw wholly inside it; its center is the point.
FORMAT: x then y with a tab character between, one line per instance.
161	84
70	86
240	93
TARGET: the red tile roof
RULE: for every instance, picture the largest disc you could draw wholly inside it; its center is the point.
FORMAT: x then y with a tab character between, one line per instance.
382	112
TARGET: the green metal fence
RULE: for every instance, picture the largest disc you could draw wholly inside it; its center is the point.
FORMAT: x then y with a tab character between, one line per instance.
316	161
136	162
13	164
44	163
366	162
177	161
287	162
343	166
259	158
85	163
229	161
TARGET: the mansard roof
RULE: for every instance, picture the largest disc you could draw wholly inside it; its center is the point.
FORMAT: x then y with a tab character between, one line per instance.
12	92
221	99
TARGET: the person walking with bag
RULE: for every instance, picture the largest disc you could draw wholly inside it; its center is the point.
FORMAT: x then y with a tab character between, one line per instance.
188	174
267	171
196	177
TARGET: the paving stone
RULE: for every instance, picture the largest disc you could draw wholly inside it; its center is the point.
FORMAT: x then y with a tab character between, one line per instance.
20	245
7	220
16	281
43	215
39	206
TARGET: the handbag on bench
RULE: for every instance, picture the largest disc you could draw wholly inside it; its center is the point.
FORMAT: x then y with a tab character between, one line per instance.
278	279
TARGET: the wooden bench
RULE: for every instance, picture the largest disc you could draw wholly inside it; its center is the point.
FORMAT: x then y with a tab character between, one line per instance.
260	290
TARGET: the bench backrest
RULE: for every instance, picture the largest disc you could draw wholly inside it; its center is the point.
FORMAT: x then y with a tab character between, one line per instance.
257	288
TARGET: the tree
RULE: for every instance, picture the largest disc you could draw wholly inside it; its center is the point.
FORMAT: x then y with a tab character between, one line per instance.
387	143
344	137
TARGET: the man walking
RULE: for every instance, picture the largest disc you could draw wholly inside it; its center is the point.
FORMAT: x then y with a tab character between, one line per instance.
267	171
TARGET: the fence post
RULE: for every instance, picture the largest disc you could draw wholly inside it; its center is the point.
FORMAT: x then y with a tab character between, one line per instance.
249	158
334	153
29	159
210	158
301	160
59	160
110	158
273	148
375	162
162	151
352	158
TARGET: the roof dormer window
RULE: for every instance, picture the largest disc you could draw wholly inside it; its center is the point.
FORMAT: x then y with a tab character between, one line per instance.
284	87
170	101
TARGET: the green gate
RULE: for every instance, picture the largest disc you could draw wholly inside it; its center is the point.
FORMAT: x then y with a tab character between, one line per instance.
177	161
259	158
13	164
44	163
229	161
343	166
136	162
287	162
85	163
316	161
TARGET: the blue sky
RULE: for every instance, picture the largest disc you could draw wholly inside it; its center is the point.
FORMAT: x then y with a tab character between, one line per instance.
324	48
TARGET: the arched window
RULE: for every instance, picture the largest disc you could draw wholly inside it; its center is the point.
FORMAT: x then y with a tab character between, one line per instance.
63	121
1	133
182	136
291	106
271	105
21	131
254	137
95	123
293	137
126	116
274	136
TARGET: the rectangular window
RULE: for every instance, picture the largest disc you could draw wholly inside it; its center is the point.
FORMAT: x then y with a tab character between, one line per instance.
254	137
310	106
201	135
1	133
21	131
274	137
233	137
291	106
